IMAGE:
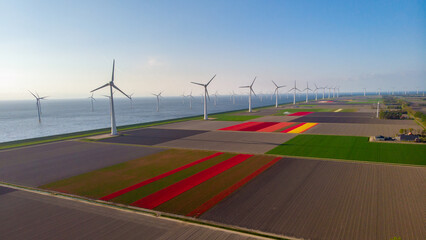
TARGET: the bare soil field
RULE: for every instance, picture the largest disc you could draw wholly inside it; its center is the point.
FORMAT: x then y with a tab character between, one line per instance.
198	125
41	164
356	129
241	142
151	136
46	217
314	199
275	119
342	114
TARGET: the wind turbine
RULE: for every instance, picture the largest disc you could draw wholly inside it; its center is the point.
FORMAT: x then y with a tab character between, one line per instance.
190	100
379	90
338	90
215	98
364	91
307	91
316	92
206	94
323	91
233	97
250	91
158	100
276	93
111	86
183	98
334	92
294	92
38	104
91	100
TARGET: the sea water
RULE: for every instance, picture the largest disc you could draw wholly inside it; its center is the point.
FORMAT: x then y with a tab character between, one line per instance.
19	120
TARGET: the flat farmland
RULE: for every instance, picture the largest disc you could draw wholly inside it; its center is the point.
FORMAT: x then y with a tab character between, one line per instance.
197	125
27	215
314	199
243	142
354	129
352	148
333	119
151	136
41	164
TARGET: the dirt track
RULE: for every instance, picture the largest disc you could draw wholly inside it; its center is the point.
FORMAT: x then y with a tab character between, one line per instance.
315	199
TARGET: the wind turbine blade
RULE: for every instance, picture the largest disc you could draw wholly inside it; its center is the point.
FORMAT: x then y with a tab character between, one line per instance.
253	81
32	94
198	83
282	86
275	84
207	93
253	92
113	67
211	80
244	86
100	87
120	91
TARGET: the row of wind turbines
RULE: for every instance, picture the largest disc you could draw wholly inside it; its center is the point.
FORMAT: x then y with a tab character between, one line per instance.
206	96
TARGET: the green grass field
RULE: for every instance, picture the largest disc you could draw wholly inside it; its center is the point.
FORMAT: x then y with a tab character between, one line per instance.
231	117
195	197
107	180
352	148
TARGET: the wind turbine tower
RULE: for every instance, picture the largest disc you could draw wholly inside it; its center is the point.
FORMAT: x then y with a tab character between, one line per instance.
307	91
158	100
91	100
206	94
38	104
111	86
276	93
250	87
294	92
365	89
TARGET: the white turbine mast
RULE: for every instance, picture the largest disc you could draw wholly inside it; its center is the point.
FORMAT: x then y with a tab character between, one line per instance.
250	87
91	100
111	86
307	91
316	92
276	93
206	95
294	92
158	100
365	89
38	104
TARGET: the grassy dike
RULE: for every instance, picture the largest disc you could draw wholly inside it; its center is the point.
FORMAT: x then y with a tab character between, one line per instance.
61	137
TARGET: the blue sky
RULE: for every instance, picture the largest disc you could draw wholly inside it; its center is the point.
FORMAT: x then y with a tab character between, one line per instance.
65	48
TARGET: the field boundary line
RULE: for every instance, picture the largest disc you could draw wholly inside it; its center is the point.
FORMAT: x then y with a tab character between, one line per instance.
152	213
349	161
153	200
158	177
228	191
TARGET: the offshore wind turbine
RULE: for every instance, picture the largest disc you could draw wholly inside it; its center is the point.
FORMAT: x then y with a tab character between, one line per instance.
158	100
307	91
233	97
190	100
316	92
379	90
111	86
294	92
206	94
91	100
276	93
38	104
323	91
215	98
250	87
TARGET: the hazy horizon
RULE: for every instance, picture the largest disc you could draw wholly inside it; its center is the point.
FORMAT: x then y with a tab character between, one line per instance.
65	49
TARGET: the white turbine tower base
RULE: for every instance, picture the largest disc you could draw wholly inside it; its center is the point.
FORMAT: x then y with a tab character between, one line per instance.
111	86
